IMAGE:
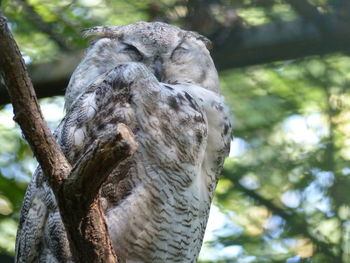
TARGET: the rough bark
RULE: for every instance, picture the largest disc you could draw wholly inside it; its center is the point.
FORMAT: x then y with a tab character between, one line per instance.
26	108
81	213
81	194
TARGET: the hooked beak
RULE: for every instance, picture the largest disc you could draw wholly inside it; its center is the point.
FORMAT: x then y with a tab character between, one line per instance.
158	68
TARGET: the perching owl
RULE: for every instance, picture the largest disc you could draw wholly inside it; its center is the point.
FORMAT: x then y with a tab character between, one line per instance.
161	82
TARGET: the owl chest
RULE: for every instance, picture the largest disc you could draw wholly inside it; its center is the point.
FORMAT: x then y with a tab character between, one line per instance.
172	129
158	220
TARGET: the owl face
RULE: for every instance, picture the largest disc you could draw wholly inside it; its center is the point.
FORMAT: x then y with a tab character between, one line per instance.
172	54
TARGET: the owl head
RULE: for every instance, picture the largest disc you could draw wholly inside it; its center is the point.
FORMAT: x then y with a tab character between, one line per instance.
172	54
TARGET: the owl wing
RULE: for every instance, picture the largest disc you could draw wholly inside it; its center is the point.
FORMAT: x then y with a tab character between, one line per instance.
41	235
215	146
181	128
219	132
183	131
31	223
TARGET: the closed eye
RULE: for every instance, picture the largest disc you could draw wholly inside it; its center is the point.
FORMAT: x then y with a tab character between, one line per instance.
133	52
178	51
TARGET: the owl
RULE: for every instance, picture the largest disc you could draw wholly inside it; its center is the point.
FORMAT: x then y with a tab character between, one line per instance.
161	82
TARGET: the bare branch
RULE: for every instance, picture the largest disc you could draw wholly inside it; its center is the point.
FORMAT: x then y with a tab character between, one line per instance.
86	227
27	110
82	190
101	158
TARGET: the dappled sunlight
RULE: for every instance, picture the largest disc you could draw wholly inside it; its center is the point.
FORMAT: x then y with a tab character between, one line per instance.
283	195
291	198
284	158
5	206
304	248
305	130
17	164
238	147
8	230
330	229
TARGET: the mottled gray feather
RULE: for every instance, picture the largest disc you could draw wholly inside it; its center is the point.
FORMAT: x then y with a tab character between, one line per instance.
161	82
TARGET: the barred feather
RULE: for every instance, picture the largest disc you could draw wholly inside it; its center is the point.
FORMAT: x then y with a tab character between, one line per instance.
157	202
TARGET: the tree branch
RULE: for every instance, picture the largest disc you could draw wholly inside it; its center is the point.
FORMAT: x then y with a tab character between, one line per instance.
27	110
81	214
82	188
100	159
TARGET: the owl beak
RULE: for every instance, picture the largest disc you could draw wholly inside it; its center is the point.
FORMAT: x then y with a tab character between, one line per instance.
158	68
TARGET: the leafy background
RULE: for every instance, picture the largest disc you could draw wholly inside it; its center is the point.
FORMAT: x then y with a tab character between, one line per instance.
284	191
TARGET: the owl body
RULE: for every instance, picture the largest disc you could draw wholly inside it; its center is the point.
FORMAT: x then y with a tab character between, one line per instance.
162	83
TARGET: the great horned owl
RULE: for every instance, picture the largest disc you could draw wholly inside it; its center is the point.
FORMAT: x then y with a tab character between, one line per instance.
161	82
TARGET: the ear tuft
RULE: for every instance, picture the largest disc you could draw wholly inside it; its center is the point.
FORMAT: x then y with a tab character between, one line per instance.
101	31
205	40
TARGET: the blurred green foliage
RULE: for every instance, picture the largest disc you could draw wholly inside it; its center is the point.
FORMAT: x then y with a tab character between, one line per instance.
285	189
283	196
